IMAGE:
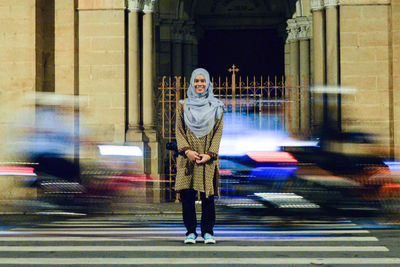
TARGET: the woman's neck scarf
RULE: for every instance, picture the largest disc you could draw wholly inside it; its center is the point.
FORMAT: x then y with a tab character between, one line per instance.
201	111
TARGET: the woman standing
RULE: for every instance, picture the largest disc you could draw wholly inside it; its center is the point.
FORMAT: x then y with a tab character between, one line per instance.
198	134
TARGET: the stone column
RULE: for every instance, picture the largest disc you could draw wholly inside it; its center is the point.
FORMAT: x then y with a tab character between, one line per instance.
165	46
151	146
284	35
134	133
148	70
318	28
188	40
332	59
286	125
195	52
177	41
294	119
304	40
66	61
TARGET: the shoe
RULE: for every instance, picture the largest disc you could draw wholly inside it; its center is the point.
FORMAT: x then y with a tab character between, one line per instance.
209	239
190	239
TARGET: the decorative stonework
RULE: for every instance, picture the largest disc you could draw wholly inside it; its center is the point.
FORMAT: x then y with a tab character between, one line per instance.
292	30
135	5
177	31
317	5
188	33
331	3
304	27
149	6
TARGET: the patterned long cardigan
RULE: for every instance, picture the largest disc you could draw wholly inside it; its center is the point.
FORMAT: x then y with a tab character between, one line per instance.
200	177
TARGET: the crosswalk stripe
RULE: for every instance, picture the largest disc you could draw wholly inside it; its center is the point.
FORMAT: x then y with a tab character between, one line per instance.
197	261
124	233
116	223
101	226
179	216
192	248
173	232
124	227
175	238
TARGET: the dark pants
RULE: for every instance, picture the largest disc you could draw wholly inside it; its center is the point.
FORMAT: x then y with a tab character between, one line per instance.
188	198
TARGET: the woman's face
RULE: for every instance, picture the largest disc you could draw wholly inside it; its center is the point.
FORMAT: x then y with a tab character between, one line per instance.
199	83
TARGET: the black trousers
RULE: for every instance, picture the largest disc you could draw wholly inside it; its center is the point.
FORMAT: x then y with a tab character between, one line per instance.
188	198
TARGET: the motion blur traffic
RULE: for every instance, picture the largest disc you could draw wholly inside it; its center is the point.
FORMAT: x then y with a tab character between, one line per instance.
327	170
57	165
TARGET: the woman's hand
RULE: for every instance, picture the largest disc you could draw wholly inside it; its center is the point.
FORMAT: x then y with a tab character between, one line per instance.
203	158
192	155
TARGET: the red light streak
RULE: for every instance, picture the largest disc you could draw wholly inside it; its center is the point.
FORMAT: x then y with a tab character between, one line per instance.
16	170
283	157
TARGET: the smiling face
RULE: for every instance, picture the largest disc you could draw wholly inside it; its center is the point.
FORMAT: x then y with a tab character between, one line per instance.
200	83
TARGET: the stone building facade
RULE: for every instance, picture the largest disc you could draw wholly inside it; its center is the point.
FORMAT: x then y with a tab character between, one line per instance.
113	52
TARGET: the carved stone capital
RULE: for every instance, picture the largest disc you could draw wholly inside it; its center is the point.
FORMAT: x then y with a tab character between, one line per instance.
292	30
317	5
282	32
304	27
135	5
177	31
188	33
331	3
149	6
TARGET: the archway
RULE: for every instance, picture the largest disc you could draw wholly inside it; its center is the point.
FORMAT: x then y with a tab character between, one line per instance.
250	34
255	51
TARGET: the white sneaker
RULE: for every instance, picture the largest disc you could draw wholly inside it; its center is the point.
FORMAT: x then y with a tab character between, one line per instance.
190	239
209	239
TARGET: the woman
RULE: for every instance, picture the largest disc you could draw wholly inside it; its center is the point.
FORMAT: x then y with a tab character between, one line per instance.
198	134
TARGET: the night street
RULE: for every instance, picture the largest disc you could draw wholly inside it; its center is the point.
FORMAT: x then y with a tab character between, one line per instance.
200	133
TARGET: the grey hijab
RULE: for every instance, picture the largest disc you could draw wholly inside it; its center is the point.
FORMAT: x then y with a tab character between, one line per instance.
202	110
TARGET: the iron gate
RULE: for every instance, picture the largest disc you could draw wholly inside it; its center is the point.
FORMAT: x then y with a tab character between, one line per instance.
248	96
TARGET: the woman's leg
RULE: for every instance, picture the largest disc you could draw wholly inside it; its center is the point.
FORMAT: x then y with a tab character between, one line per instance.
207	214
188	198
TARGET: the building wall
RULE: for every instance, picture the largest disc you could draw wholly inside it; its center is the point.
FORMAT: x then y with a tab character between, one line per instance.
369	61
65	47
17	78
365	65
17	62
102	68
395	15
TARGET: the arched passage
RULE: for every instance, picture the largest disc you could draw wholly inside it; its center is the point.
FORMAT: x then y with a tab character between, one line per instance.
256	52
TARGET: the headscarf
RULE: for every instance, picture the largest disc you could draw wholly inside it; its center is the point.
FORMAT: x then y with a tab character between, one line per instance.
202	110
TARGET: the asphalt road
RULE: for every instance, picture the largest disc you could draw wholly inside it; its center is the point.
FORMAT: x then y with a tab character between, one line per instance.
156	240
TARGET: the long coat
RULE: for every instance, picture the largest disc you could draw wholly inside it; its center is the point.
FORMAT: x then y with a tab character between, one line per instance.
200	177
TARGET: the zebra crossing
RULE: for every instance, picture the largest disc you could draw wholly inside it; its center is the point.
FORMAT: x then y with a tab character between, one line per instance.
108	242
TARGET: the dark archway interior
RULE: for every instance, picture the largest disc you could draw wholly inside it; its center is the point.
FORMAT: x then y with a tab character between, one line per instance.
254	52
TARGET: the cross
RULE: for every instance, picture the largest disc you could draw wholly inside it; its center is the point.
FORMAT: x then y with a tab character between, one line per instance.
233	69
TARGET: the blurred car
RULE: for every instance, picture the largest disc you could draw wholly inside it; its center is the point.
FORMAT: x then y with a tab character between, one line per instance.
310	175
113	178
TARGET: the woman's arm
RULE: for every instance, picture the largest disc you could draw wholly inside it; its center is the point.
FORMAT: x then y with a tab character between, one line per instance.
216	139
181	139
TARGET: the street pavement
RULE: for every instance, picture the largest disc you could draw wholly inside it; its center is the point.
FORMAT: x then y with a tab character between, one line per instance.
155	240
